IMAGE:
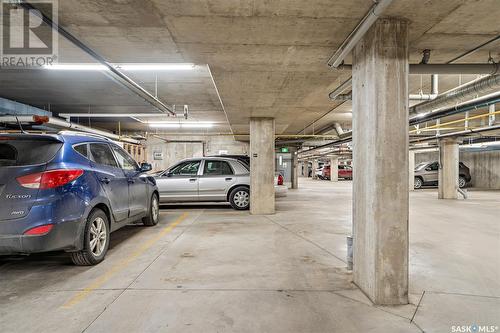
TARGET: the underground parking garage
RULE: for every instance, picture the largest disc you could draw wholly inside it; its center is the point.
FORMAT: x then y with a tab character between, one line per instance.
251	166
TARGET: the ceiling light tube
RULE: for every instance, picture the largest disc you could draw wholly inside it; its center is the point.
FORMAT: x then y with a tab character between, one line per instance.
125	67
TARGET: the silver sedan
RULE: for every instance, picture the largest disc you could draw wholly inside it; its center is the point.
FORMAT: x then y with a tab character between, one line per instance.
206	179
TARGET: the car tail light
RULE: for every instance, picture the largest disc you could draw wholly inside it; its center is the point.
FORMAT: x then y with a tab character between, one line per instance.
280	180
40	230
49	179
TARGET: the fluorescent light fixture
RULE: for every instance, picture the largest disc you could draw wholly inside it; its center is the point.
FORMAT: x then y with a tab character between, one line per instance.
124	67
76	67
156	67
181	125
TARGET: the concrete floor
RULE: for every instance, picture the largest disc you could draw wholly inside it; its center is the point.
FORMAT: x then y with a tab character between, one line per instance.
212	269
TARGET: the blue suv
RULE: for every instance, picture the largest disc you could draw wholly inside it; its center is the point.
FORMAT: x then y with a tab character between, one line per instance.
69	191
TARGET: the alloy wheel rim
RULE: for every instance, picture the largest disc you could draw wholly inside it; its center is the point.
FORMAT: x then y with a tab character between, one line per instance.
98	237
241	199
418	183
461	182
155	209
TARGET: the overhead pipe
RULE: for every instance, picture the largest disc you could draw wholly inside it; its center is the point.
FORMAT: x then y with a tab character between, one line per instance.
481	102
113	73
359	31
340	89
464	92
460	133
414	69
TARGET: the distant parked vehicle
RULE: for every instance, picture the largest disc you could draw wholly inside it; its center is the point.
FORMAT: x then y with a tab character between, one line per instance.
69	191
426	173
345	172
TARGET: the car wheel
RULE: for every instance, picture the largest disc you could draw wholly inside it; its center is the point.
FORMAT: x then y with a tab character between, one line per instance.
95	240
154	212
418	183
240	198
462	182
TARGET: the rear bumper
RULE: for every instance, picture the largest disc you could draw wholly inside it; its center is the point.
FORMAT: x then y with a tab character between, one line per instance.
63	236
280	191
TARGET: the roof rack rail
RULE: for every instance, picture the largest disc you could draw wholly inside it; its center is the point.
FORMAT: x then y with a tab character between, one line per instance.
66	132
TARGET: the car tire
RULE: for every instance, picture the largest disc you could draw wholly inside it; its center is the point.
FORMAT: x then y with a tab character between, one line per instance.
153	213
239	198
95	240
418	183
462	182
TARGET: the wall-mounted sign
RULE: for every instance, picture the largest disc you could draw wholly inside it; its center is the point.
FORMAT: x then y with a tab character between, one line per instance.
284	149
158	155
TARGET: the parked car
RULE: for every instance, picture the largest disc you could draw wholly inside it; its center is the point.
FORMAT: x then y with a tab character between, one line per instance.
69	191
209	179
345	172
426	173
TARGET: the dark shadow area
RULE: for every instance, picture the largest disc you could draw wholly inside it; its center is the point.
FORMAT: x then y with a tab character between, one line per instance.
195	205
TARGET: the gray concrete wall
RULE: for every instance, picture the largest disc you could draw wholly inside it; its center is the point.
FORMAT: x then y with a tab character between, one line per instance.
173	152
484	166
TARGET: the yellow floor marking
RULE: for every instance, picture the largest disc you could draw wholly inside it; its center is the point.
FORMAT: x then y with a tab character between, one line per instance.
122	264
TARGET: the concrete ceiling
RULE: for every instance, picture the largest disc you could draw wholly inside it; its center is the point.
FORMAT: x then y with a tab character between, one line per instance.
268	58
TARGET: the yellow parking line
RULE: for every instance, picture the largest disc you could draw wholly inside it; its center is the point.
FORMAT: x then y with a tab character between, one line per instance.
122	264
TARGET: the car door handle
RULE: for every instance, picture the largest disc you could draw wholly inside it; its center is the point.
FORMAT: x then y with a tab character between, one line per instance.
105	180
228	179
192	180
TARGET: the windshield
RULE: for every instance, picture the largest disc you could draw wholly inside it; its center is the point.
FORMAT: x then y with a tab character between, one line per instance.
420	166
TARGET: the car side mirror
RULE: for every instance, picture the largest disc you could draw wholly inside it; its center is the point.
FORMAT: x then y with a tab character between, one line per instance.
145	167
168	174
428	169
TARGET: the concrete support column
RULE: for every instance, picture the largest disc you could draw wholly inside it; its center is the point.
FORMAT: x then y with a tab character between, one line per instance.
334	168
448	169
380	159
411	170
315	166
262	166
295	169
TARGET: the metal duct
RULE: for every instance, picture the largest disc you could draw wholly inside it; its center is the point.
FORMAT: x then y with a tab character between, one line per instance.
339	129
467	91
476	103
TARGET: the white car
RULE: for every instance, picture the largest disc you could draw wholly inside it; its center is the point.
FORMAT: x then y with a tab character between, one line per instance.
209	179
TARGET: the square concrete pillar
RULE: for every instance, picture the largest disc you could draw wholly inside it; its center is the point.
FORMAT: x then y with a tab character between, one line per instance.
262	166
315	166
334	168
448	169
411	170
380	159
295	168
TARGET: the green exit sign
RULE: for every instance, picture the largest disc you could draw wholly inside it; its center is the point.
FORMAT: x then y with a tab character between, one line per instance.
284	150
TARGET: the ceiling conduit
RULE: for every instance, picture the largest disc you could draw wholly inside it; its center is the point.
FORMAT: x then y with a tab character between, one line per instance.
462	93
113	73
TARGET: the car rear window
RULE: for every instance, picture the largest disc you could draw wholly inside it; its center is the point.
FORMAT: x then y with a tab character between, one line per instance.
27	152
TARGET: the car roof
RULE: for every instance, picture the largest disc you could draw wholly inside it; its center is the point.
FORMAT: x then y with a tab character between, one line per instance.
208	158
